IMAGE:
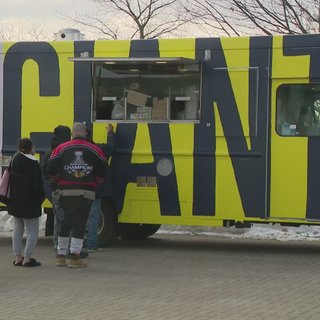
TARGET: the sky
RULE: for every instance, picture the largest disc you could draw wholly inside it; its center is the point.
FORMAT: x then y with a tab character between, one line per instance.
19	18
41	11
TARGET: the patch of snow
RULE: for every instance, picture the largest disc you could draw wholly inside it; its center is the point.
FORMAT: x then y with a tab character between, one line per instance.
6	222
258	231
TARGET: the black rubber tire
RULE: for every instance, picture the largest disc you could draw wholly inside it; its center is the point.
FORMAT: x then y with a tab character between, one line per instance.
132	231
108	224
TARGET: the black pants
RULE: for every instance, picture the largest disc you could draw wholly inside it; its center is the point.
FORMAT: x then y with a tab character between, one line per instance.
76	212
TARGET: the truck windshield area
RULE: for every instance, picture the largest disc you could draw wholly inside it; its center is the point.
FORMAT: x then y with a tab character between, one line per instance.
156	91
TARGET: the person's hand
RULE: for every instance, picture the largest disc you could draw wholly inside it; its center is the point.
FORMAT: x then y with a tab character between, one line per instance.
110	127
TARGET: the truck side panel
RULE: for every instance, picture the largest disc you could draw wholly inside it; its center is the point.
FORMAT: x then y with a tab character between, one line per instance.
220	166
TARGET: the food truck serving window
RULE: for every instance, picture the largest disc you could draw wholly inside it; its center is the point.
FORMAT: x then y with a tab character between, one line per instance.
146	90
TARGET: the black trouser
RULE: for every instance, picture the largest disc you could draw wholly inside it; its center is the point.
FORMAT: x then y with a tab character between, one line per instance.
76	212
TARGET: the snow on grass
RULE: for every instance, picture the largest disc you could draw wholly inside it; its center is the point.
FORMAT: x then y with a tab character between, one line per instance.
258	231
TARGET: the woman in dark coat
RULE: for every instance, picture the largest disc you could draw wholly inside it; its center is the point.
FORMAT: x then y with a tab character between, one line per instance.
26	197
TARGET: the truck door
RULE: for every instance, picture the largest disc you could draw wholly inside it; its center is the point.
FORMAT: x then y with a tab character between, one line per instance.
295	130
295	149
243	110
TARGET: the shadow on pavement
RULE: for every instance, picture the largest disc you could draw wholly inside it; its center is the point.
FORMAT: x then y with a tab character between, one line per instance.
201	243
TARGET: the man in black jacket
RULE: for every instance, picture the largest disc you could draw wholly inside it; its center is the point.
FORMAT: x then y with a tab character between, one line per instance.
78	166
103	191
62	134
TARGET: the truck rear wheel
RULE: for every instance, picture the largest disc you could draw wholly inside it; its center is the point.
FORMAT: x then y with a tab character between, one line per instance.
108	224
133	231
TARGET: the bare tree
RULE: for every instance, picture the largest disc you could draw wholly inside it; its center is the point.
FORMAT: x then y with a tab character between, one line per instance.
39	31
98	22
212	17
238	17
280	16
24	30
143	19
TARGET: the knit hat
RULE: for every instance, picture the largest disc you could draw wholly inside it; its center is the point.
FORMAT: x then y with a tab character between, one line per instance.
62	132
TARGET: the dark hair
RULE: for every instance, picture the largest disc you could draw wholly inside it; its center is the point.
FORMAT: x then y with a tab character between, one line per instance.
25	145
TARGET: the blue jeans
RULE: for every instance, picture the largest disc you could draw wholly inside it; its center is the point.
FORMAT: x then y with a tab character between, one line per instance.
94	216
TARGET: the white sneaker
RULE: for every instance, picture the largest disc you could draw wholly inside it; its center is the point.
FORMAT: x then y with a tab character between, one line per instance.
94	250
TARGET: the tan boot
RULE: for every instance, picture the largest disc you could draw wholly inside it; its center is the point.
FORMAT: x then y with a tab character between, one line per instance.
76	262
61	260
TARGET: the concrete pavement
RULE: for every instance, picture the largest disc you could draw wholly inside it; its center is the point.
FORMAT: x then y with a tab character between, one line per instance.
168	277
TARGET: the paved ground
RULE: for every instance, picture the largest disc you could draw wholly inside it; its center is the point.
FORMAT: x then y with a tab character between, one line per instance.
168	277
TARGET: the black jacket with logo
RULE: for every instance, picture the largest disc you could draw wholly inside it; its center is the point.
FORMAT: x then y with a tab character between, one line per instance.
77	165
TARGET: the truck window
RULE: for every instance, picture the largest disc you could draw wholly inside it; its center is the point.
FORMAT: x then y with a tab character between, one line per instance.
298	110
146	92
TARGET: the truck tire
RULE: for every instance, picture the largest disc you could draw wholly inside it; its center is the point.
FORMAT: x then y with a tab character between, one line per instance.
108	224
133	231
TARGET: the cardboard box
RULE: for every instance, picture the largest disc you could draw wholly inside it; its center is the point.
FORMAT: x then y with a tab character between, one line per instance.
159	109
159	104
136	98
159	116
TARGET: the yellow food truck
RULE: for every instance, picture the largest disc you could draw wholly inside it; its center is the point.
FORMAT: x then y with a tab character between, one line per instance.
210	131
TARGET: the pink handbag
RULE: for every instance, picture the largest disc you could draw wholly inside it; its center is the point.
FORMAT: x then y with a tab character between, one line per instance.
5	187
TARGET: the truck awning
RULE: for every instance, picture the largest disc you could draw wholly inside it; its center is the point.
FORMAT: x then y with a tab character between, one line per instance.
136	60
